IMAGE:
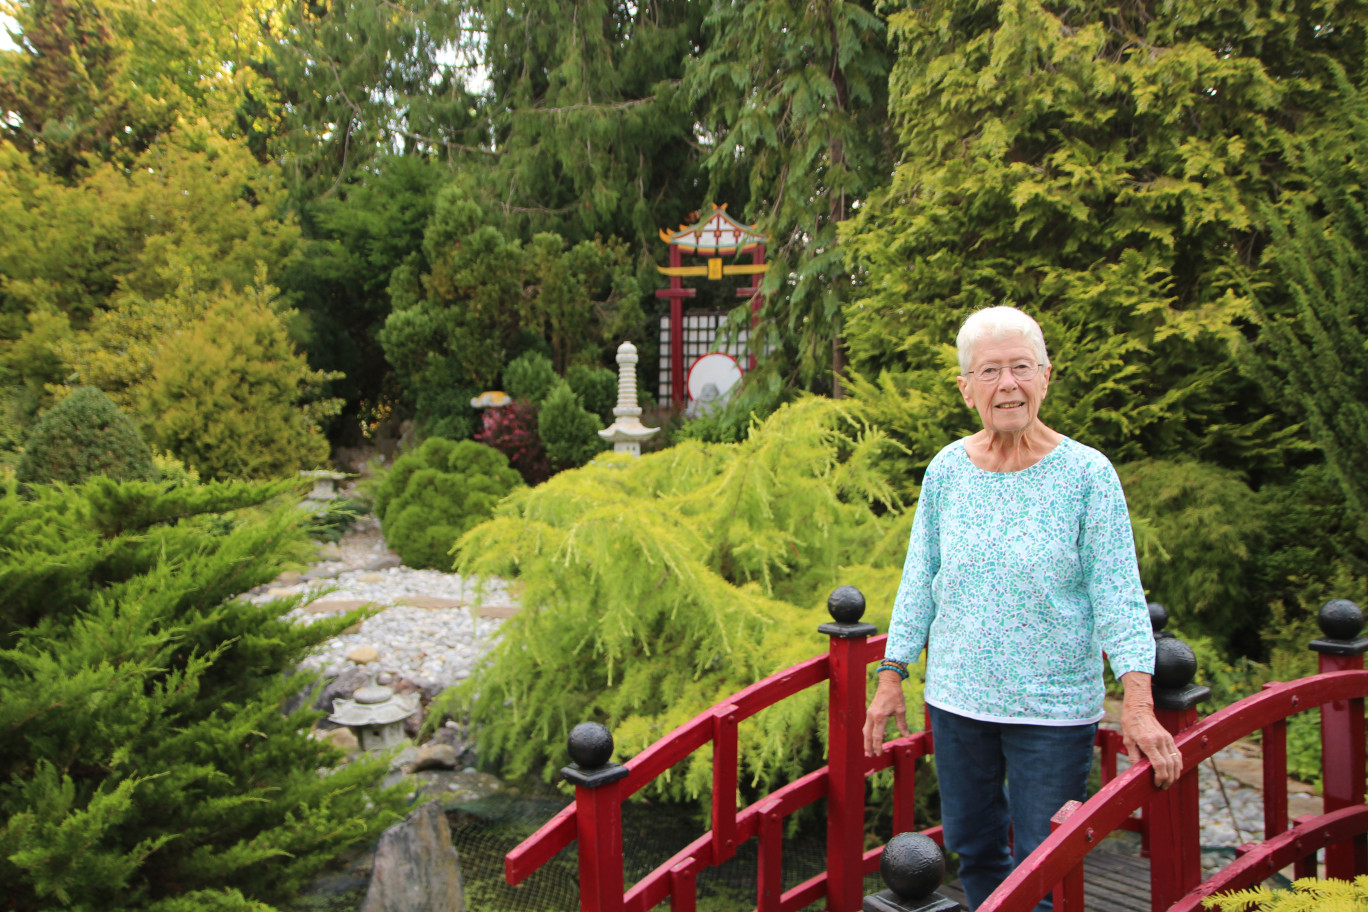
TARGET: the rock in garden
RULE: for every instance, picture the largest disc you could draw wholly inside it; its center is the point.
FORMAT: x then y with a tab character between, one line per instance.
416	868
352	679
329	552
363	654
342	739
435	756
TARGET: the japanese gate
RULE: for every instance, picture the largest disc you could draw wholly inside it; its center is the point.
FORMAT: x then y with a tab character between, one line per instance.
714	236
1168	821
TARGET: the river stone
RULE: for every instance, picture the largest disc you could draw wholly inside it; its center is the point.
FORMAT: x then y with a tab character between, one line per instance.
363	654
342	739
435	756
416	868
344	685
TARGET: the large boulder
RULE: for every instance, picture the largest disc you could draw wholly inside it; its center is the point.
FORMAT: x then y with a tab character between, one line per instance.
416	868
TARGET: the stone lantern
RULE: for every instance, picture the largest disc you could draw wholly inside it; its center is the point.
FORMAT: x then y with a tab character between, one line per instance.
375	714
626	432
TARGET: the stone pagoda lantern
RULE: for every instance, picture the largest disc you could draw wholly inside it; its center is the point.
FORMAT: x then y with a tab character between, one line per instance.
626	432
375	714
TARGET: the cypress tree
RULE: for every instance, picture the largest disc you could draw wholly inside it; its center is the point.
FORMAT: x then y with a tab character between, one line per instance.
794	96
654	586
568	430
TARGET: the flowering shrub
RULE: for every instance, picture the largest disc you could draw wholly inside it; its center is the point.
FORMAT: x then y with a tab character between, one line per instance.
512	430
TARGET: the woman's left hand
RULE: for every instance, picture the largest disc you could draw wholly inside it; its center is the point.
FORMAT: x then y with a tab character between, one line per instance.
1144	736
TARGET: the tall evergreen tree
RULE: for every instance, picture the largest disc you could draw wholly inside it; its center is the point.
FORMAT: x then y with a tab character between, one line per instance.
1314	318
795	97
95	80
360	79
593	132
1105	166
340	281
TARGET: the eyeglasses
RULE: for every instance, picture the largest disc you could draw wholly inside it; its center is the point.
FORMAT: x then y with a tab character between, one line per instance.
1022	370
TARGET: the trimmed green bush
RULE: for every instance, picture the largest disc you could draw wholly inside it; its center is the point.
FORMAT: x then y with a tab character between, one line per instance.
529	377
596	387
82	436
567	429
147	763
435	494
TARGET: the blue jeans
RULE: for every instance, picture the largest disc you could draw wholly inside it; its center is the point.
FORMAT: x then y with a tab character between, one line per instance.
1043	766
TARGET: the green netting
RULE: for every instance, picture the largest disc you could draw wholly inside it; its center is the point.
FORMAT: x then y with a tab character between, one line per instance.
485	831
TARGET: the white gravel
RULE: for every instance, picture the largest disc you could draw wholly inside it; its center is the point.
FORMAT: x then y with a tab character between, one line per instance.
433	628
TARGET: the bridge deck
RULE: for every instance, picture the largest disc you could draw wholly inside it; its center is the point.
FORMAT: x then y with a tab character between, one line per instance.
1112	882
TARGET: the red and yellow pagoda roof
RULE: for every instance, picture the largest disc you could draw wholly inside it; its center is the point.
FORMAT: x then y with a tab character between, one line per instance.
716	234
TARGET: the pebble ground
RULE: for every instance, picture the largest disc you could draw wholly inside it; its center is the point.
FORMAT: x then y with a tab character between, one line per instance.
433	628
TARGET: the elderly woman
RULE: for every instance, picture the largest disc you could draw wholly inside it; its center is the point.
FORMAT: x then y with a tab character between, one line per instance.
1020	574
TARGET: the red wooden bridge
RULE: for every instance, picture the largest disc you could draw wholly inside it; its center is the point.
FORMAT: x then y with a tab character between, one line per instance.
1168	821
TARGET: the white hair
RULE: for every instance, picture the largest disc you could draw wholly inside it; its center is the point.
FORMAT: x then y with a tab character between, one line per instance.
998	324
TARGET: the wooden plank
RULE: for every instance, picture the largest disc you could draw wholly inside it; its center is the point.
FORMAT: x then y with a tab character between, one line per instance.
1111	883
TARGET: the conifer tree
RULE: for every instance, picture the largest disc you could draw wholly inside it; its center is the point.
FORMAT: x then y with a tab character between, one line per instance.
148	764
82	436
595	136
654	586
795	96
230	395
463	309
1314	318
360	80
92	81
1104	166
567	429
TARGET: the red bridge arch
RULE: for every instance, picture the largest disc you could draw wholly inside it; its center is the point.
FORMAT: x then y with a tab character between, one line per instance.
1168	820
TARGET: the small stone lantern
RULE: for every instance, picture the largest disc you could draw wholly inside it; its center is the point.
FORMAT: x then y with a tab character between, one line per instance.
375	714
626	432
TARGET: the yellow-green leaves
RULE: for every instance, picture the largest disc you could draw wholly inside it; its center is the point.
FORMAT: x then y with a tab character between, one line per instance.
653	587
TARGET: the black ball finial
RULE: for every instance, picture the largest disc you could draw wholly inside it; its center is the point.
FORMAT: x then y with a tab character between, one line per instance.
846	604
591	745
1175	664
1158	616
1340	619
912	865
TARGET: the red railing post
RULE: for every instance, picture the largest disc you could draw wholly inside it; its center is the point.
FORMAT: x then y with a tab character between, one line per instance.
1342	733
1068	896
845	749
1173	819
1273	744
598	813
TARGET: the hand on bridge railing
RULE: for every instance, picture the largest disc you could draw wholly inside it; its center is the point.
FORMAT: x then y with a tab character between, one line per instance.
1144	737
888	701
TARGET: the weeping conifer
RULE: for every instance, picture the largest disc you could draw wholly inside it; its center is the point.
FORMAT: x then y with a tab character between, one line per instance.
653	587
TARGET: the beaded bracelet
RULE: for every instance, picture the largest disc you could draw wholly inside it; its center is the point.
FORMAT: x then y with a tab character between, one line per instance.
891	665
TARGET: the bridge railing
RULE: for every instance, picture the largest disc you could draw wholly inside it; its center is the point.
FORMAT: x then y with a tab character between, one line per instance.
1338	690
1167	820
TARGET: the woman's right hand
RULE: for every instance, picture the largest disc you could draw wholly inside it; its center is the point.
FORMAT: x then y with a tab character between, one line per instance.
888	701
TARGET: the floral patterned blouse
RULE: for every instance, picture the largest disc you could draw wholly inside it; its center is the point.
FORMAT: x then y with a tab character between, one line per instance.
1020	581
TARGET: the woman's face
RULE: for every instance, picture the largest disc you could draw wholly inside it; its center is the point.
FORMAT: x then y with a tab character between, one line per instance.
1007	405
